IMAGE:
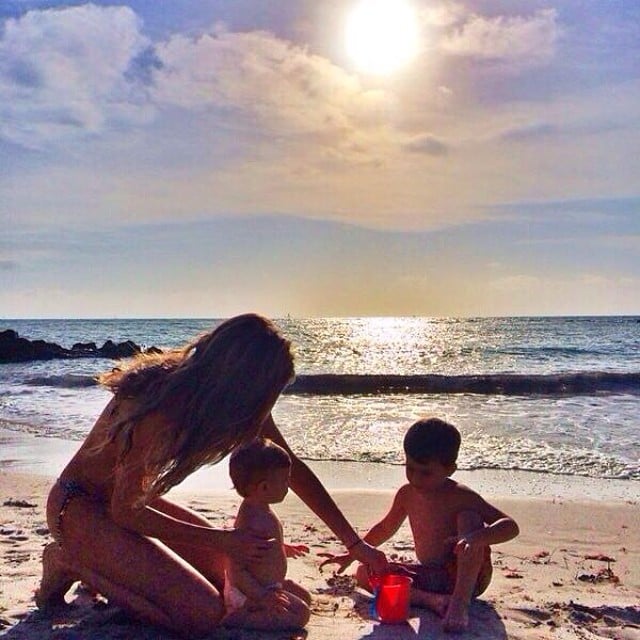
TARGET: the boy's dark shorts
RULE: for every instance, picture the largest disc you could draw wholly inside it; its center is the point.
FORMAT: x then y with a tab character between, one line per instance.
441	578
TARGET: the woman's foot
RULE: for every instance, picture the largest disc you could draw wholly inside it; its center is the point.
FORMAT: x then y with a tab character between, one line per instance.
56	578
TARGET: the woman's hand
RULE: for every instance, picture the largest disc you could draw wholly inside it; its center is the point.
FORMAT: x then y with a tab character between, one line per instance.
372	558
242	546
343	561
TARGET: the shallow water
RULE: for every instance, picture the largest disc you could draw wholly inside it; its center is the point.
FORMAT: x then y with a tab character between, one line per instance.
592	433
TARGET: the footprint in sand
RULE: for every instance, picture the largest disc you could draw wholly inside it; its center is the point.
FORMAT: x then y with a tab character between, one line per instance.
17	557
7	531
19	537
20	504
11	536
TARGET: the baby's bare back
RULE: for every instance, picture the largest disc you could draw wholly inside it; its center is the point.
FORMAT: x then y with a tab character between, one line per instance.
272	568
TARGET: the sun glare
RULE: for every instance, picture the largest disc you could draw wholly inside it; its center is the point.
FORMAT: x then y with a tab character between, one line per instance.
381	35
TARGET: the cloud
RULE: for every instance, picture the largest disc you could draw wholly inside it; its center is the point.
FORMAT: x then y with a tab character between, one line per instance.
64	72
428	144
445	14
82	70
626	241
517	40
268	84
531	131
516	282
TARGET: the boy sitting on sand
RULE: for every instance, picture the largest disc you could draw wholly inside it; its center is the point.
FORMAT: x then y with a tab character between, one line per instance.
256	594
453	527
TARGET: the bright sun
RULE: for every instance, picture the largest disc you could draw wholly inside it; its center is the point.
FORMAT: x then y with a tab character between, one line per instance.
381	35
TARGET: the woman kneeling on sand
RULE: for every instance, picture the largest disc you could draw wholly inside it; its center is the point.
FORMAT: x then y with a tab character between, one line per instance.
171	414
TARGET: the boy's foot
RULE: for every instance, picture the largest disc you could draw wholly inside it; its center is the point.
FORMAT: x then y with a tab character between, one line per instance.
456	618
56	578
437	602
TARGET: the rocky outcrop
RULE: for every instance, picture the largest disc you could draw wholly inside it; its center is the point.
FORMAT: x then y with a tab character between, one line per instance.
13	348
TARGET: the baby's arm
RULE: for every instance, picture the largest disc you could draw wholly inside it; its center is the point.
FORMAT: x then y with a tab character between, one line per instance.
295	550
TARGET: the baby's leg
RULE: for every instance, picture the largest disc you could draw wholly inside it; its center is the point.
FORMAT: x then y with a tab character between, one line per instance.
294	614
468	566
297	590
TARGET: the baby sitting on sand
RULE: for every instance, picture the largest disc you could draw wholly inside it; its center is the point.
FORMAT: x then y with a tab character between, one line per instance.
453	527
256	594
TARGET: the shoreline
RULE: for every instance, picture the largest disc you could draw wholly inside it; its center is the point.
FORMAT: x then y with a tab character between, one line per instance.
574	571
31	454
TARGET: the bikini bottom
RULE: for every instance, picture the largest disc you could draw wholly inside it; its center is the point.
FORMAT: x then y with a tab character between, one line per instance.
70	490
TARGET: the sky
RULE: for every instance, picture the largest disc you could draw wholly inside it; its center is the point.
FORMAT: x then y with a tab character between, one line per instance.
201	158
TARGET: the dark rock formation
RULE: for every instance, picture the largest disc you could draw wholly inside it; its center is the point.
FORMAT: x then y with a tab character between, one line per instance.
13	348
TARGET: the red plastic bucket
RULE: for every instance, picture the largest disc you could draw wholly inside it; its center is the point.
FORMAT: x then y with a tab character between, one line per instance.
393	593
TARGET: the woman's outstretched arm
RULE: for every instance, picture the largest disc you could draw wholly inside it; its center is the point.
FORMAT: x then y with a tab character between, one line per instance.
312	492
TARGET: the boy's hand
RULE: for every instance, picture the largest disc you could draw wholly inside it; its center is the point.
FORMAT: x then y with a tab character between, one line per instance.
342	561
295	550
464	544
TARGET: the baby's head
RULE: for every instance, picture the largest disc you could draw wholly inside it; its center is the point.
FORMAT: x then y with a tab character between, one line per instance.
432	439
261	469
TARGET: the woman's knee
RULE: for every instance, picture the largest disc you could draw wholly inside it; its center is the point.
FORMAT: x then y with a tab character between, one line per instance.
202	623
190	612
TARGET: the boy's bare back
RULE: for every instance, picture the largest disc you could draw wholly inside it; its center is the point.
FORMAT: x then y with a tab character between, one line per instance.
433	516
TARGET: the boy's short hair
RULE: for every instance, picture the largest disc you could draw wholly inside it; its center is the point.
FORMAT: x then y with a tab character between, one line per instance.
432	439
252	463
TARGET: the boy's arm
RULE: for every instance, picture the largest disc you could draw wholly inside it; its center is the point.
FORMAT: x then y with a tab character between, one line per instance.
383	530
499	527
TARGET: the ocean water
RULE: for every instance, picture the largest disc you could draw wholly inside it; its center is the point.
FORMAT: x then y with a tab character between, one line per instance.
552	395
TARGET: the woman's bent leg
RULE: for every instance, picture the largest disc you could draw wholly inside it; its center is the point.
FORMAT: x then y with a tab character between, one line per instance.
138	574
209	563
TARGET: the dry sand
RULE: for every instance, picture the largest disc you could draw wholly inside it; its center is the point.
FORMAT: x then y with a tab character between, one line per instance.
574	572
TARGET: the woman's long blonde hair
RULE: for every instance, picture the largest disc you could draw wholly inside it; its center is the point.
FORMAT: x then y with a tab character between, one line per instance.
216	392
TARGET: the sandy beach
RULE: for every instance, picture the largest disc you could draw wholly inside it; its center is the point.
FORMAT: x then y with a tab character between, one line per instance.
574	572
